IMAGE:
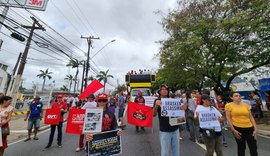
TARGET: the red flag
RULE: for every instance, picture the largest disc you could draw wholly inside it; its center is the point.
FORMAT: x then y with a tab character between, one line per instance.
52	116
75	121
94	86
139	115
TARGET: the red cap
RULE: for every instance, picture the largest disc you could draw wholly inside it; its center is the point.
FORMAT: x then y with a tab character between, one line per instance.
60	95
102	96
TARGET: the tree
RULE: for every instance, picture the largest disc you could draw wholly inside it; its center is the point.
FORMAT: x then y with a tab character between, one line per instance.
74	63
70	79
215	41
121	88
64	88
103	76
44	74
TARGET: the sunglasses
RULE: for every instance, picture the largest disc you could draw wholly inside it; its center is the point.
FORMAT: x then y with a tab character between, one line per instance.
102	100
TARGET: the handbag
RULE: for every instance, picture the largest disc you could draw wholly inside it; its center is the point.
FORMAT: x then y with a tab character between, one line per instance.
5	131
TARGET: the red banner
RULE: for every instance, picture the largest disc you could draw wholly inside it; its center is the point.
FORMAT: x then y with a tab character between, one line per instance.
94	86
75	121
139	115
52	116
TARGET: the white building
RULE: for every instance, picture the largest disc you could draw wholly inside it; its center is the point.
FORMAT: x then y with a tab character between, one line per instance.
4	77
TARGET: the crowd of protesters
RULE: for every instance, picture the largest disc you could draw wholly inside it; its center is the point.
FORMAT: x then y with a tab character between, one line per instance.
234	115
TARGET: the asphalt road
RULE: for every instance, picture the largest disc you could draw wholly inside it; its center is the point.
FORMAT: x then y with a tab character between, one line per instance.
133	144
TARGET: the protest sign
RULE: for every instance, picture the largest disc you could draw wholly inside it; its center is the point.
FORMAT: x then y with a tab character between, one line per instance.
208	120
149	101
92	120
75	121
52	116
139	115
105	144
173	121
171	107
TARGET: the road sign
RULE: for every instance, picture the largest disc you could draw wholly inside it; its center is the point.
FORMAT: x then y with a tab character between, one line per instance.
28	4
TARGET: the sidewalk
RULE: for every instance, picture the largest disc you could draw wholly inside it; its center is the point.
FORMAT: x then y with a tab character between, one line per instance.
264	124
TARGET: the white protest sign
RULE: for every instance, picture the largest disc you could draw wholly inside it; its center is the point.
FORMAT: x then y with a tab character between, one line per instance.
208	120
1	141
171	107
149	101
92	120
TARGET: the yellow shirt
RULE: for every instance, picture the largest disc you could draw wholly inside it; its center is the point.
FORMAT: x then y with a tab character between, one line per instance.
239	115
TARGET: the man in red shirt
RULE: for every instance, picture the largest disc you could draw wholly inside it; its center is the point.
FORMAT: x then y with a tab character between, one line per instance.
140	100
59	104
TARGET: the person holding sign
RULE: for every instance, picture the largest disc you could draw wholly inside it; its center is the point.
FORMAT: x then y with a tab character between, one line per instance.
169	135
242	124
140	100
108	120
60	104
209	121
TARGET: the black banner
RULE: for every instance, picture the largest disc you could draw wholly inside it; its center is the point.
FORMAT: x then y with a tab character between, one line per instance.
105	144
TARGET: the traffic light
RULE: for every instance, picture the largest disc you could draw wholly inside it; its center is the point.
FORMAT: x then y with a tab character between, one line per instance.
18	37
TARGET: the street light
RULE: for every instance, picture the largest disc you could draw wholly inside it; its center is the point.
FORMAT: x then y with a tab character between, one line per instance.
102	48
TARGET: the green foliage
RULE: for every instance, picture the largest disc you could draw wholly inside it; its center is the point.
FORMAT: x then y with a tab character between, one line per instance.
64	88
44	74
121	88
214	41
103	76
70	79
74	63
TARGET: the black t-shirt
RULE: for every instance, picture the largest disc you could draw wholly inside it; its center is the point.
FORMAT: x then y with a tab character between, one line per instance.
164	124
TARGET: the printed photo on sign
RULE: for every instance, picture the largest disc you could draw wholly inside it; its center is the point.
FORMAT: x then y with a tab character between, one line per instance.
173	121
208	120
171	107
149	101
93	120
106	143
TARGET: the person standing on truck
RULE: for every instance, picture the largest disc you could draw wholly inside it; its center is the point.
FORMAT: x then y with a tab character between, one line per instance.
140	100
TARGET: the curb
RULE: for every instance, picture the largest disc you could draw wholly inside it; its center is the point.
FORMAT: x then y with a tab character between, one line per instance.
264	132
19	113
40	129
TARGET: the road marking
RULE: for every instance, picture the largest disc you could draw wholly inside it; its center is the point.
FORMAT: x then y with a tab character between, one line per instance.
264	136
32	135
204	147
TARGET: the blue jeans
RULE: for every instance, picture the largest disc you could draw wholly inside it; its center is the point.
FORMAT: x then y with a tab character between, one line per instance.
169	142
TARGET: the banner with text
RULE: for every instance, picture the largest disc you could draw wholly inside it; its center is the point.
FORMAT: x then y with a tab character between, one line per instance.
208	120
171	107
106	143
149	101
52	116
75	121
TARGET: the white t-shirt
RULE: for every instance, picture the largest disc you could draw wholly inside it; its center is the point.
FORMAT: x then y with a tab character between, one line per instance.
89	105
208	117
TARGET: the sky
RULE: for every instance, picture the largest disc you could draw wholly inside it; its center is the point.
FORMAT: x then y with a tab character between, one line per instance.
133	24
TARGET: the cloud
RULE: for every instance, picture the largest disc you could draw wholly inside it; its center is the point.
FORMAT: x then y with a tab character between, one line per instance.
133	24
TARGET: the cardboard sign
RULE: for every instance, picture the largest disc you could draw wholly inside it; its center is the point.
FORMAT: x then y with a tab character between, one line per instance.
75	121
149	101
105	144
139	115
171	107
92	120
52	116
208	120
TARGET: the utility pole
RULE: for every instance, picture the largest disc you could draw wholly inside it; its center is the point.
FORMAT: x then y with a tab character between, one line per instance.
83	77
24	56
87	68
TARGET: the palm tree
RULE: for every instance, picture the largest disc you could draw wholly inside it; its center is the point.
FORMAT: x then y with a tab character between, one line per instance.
70	79
103	76
44	74
64	88
74	63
